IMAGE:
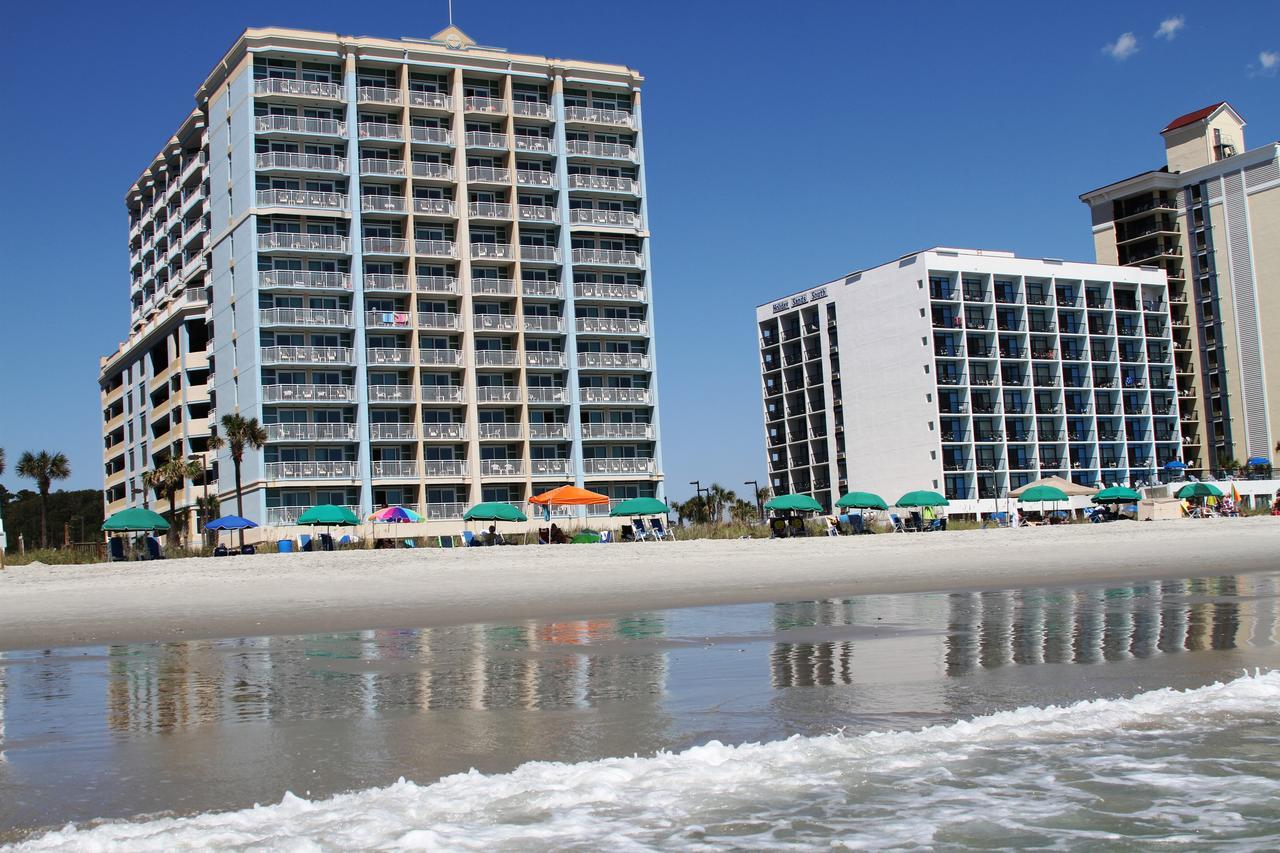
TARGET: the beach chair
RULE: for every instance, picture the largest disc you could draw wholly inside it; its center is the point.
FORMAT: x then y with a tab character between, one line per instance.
444	541
627	533
642	532
856	524
661	531
833	527
409	543
795	527
606	536
248	549
345	540
115	550
153	549
777	528
326	542
544	535
915	521
304	542
470	540
898	526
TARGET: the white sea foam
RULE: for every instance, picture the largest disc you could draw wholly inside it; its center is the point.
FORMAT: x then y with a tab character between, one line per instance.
1171	766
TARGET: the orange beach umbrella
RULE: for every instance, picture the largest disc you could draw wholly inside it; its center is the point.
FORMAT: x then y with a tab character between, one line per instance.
569	496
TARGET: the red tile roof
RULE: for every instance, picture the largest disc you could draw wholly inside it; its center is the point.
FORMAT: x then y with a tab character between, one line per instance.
1192	118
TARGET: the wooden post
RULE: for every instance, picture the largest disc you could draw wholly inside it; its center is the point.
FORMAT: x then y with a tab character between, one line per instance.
66	534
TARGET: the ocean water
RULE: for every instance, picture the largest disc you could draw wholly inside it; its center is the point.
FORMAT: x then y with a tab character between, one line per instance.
1121	716
1166	767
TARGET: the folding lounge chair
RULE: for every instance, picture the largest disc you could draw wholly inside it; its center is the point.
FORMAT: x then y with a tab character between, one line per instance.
898	526
153	549
777	528
642	532
661	531
115	550
445	541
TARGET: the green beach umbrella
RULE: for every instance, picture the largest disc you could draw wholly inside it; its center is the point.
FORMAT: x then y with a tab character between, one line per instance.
1199	490
328	515
640	506
494	511
1040	494
134	520
797	503
1117	495
922	498
862	500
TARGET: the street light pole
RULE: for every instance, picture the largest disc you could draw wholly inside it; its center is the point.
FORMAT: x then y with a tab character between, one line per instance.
756	491
697	489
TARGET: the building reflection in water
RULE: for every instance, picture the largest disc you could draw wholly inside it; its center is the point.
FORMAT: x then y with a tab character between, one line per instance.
532	666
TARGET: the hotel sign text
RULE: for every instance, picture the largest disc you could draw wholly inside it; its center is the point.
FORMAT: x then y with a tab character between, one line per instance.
795	301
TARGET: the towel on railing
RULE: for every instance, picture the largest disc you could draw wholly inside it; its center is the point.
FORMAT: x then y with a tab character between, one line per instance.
401	319
388	317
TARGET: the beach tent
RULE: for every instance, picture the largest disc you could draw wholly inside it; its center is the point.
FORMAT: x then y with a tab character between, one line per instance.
640	506
1066	486
395	515
861	500
1117	495
567	496
135	520
922	498
1198	490
793	503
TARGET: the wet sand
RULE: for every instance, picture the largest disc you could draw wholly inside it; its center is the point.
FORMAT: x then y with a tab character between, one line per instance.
187	599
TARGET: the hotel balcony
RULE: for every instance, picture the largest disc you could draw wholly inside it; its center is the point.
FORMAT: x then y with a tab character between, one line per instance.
535	178
386	282
442	393
539	289
497	358
300	126
442	511
531	109
433	171
593	115
288	161
440	357
381	166
494	322
283	516
488	175
430	100
589	394
383	203
628	465
444	432
545	359
393	432
308	199
291	241
488	210
332	317
441	321
501	467
613	326
548	432
430	135
540	254
551	468
299	88
389	356
548	394
600	150
537	213
303	280
554	325
607	257
307	394
605	218
604	183
617	432
311	432
489	106
493	286
311	470
395	470
392	394
613	361
492	251
378	95
435	284
380	130
499	432
444	468
441	207
436	248
485	140
535	144
608	292
306	355
498	394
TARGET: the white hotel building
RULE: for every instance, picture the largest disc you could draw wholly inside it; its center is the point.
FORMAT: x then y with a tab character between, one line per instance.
971	373
422	264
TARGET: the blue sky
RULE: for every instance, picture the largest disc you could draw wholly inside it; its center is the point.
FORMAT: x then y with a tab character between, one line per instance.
786	145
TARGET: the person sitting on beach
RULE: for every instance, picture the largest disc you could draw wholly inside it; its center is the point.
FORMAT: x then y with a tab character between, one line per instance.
493	537
833	526
558	537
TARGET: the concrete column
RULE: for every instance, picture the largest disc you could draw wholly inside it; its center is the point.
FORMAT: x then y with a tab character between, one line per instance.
660	485
363	455
465	303
566	280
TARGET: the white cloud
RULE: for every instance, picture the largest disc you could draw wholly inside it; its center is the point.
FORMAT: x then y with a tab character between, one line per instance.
1170	27
1122	48
1269	60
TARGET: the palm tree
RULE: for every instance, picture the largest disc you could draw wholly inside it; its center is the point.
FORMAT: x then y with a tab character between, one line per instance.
44	467
167	479
239	434
1	460
718	498
743	512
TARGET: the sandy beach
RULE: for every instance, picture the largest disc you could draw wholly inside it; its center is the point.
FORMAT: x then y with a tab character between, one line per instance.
45	606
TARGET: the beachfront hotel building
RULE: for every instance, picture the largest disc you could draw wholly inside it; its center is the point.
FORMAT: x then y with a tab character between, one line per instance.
1210	217
422	264
970	373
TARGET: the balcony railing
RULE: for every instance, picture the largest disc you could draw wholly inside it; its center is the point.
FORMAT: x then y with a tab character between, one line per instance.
604	290
444	432
397	469
494	322
302	162
613	361
380	130
386	319
304	279
439	320
535	178
442	511
614	395
440	468
615	326
497	358
550	467
603	183
306	355
498	394
439	357
478	104
311	470
488	210
383	203
436	284
537	288
611	431
531	109
498	432
393	432
438	171
540	254
594	115
389	355
301	88
534	323
602	150
295	242
493	286
548	432
305	317
501	467
606	218
484	139
311	432
391	394
308	393
435	206
284	516
441	393
548	394
536	144
537	213
378	95
386	282
301	198
436	248
382	166
629	465
488	175
300	125
431	100
431	135
492	251
607	257
545	359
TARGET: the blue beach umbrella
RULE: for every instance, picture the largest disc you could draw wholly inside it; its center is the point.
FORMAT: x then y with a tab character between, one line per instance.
1175	465
230	522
